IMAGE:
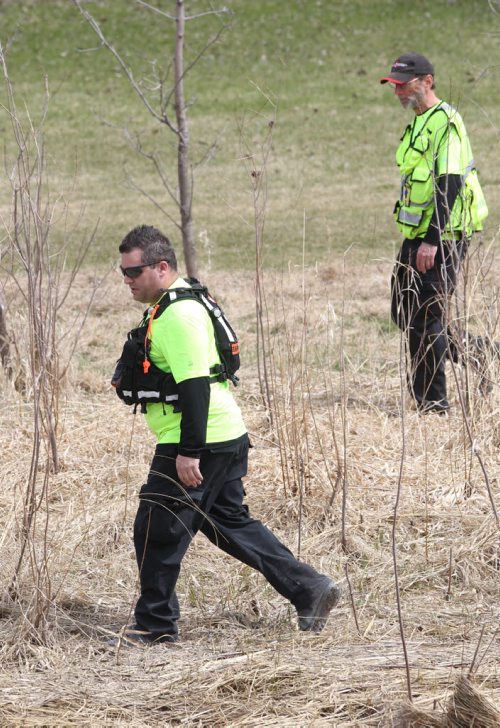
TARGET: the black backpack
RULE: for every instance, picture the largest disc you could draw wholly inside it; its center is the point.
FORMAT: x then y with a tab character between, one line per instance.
225	337
137	380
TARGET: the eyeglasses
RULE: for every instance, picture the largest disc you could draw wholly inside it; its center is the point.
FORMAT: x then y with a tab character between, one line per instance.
134	271
406	83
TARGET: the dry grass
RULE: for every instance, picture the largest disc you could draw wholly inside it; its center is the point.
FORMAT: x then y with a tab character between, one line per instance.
241	661
466	707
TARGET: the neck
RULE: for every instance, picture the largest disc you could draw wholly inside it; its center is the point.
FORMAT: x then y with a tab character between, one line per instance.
427	103
167	282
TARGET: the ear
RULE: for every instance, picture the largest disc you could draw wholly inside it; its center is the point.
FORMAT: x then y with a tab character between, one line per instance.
164	267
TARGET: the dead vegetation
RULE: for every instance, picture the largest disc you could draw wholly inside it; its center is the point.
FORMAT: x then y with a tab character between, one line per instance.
324	477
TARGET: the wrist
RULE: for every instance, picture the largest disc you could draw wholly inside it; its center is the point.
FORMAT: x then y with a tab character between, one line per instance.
432	236
189	452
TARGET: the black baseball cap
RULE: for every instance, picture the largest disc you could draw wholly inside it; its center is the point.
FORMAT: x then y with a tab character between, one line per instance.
407	67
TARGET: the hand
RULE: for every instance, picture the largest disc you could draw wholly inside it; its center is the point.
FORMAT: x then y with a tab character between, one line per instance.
425	257
188	470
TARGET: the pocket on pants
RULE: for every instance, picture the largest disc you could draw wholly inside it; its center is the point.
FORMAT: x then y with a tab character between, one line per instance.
238	465
163	522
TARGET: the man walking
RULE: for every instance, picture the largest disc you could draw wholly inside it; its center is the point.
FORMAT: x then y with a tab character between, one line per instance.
195	480
441	204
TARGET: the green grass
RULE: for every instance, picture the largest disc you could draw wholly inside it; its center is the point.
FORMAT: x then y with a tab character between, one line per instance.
312	65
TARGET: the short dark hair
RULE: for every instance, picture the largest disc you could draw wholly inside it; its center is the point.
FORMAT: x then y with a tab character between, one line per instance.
152	243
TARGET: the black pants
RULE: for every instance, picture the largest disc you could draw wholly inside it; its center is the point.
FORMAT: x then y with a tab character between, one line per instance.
169	515
419	306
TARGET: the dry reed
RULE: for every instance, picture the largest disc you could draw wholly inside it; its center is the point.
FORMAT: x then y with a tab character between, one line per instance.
241	661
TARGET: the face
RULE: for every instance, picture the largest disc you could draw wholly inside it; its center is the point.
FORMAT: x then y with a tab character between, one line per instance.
146	287
411	94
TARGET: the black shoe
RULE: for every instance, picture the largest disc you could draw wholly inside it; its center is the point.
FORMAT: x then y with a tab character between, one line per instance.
439	407
136	636
313	616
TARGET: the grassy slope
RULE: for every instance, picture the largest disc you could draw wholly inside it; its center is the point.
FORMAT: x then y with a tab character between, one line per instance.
319	62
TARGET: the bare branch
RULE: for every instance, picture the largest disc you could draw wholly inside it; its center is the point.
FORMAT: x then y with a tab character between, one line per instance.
193	63
156	10
221	11
125	67
209	153
155	203
208	12
135	143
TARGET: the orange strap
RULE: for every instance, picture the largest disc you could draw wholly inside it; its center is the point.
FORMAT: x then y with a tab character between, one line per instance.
146	363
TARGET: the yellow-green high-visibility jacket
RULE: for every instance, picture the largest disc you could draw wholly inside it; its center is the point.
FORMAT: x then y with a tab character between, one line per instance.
433	145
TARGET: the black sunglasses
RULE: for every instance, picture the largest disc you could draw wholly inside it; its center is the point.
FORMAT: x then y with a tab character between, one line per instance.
134	271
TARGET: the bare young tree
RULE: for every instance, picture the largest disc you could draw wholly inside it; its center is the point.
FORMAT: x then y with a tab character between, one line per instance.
168	99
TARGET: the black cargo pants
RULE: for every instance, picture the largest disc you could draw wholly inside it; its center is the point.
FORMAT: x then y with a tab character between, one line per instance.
169	515
419	306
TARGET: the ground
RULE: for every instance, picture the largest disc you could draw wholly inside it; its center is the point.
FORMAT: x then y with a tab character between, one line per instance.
330	455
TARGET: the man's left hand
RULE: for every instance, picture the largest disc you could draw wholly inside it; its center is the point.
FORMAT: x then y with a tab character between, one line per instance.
425	257
188	470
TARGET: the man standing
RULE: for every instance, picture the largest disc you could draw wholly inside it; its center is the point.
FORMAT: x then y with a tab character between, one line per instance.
441	204
194	483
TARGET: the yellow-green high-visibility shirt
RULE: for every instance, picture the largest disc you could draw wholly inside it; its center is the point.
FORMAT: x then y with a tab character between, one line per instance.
183	343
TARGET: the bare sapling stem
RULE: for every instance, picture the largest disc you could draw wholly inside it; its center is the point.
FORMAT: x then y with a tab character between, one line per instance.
450	576
183	166
257	167
5	355
343	411
402	384
351	594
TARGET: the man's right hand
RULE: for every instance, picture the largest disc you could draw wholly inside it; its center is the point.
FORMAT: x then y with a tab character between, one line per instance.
188	470
426	255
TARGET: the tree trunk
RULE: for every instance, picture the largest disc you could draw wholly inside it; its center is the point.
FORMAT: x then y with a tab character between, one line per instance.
184	172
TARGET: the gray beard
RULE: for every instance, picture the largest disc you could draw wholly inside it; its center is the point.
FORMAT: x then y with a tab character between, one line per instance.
415	101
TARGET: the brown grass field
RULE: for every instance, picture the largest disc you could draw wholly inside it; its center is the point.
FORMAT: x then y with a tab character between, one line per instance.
330	455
